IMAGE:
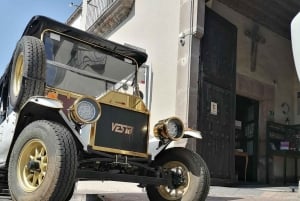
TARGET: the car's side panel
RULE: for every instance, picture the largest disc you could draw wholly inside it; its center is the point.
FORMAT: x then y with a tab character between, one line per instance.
7	129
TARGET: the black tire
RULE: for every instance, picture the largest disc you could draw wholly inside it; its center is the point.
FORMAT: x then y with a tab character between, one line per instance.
193	169
206	183
43	163
70	195
28	71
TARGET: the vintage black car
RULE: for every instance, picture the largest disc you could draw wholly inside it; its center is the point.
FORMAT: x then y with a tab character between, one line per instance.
67	114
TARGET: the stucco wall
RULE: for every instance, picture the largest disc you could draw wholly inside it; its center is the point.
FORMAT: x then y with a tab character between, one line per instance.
154	26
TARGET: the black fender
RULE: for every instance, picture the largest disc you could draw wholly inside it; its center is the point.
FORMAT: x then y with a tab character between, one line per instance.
37	108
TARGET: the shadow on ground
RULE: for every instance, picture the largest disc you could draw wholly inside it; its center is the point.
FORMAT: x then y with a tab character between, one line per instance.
215	198
143	197
123	197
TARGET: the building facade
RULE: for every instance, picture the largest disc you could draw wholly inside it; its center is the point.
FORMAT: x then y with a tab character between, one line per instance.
225	67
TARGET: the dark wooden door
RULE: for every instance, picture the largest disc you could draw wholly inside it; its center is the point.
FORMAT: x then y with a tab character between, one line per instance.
217	95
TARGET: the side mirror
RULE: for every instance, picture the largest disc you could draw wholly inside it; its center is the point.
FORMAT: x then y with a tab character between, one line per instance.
295	38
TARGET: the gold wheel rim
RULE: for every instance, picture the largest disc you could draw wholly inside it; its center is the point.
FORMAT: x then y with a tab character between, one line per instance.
18	75
178	192
32	165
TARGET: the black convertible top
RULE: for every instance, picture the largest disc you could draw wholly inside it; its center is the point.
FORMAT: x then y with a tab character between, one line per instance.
38	24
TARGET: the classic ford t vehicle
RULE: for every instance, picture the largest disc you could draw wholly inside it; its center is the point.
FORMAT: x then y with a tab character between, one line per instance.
71	110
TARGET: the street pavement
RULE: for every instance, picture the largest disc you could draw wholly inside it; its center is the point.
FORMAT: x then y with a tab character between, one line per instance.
118	191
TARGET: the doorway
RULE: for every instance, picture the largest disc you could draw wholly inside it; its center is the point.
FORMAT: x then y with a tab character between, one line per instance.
246	138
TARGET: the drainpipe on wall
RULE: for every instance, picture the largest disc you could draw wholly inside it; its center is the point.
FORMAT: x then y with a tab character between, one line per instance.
191	30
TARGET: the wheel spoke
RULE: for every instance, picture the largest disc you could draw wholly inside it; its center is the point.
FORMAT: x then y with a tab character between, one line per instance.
43	166
182	187
29	177
35	179
41	178
44	159
36	153
43	152
176	192
177	170
172	192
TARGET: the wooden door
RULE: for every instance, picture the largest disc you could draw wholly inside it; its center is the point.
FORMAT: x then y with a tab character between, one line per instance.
217	95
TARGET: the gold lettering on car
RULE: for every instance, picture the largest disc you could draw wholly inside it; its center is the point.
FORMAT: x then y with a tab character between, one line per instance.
121	128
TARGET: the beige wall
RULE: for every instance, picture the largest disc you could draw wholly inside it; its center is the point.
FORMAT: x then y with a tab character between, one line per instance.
154	26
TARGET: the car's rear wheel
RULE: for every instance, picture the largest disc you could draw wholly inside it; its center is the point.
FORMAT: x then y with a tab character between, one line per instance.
28	71
42	165
189	173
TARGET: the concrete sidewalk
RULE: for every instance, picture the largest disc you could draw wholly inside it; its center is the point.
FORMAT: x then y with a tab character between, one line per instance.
118	191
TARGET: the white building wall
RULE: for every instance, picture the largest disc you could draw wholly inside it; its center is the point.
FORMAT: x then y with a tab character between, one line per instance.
154	26
77	22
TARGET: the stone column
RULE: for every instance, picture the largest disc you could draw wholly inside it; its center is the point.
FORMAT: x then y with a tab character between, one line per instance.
191	30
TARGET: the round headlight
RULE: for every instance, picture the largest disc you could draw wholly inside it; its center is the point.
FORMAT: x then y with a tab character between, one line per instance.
174	128
86	110
171	129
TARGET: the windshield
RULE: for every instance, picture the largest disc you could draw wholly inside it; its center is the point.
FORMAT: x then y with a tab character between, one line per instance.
82	68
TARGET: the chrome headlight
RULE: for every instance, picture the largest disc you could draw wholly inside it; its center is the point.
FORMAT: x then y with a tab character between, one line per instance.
171	129
85	111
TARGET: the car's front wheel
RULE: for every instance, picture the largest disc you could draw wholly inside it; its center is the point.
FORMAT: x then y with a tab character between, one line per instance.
189	173
43	162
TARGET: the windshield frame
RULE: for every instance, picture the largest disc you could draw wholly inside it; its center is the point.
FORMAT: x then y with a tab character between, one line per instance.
116	55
